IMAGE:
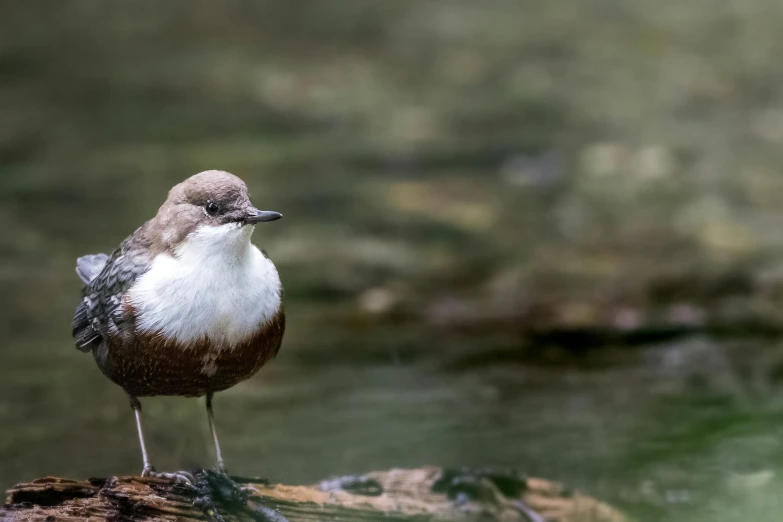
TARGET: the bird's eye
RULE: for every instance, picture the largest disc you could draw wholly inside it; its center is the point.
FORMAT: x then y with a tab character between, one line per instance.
211	208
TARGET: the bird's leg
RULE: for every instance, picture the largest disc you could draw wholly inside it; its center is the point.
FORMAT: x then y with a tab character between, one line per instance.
223	483
149	471
136	405
211	418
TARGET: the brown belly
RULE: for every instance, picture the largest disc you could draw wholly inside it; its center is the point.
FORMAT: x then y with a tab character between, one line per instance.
151	365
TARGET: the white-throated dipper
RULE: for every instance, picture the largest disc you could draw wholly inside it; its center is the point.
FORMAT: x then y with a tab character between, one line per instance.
187	305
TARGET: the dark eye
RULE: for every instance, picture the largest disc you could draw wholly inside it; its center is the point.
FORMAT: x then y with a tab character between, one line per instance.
211	208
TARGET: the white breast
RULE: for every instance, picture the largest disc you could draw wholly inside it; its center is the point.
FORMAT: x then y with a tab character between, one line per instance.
217	286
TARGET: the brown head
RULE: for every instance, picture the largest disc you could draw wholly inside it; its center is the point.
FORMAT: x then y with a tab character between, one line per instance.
212	198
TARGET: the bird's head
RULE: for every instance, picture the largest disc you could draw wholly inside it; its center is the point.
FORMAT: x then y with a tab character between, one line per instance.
213	205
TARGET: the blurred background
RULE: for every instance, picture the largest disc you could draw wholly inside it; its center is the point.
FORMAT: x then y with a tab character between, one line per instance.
542	234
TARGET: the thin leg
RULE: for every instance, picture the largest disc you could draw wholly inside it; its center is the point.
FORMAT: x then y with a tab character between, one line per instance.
136	405
149	471
211	419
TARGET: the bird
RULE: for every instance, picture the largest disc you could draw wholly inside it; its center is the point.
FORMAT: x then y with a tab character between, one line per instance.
187	305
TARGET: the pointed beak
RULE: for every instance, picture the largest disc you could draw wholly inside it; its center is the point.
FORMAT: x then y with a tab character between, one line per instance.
261	216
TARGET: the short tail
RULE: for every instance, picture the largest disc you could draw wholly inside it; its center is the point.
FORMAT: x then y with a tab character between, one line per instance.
88	267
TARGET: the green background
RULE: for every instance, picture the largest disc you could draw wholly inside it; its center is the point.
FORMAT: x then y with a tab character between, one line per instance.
539	234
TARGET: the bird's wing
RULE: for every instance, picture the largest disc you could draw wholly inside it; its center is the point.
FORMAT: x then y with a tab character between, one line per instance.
84	335
99	311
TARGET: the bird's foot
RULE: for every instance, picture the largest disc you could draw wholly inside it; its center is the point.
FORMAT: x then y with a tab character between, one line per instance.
181	477
215	487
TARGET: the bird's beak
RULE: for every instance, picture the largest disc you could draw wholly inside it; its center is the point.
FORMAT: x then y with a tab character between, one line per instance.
261	216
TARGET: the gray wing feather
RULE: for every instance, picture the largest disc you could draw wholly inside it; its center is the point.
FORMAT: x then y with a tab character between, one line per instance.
107	279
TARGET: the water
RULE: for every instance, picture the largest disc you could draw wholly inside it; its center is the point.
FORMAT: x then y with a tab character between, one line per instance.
685	428
454	180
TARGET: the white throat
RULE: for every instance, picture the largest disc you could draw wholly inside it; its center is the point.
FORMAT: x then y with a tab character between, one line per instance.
217	286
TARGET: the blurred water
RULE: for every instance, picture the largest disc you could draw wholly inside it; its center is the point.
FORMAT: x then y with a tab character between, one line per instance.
455	181
682	427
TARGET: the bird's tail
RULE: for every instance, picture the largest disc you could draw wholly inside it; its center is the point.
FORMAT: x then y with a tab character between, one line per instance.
88	267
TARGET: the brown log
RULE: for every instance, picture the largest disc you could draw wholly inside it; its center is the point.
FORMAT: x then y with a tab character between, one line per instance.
423	494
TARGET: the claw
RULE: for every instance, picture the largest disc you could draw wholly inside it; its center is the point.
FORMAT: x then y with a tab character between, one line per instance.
181	477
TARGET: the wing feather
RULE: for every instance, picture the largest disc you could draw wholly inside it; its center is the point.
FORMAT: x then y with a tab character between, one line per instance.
107	279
